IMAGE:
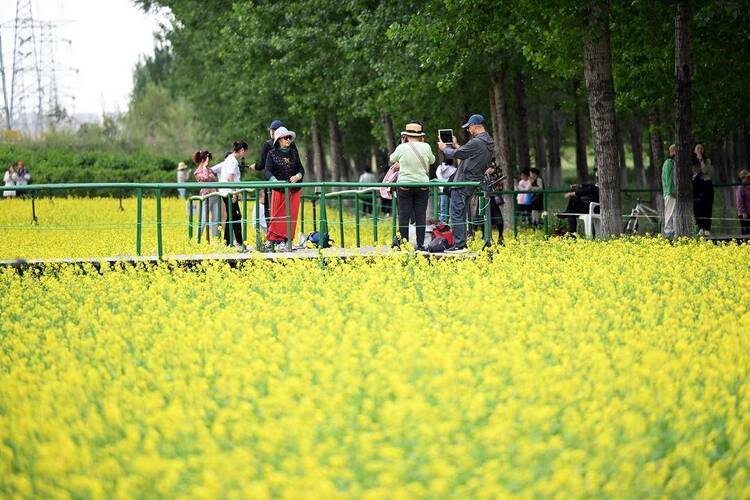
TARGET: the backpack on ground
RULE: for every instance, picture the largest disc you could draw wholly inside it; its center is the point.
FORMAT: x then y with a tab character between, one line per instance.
443	231
313	240
438	245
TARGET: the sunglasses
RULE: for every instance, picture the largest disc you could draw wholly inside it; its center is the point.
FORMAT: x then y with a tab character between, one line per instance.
287	138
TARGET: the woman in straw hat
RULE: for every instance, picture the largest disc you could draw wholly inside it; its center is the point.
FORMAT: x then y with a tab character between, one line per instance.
414	157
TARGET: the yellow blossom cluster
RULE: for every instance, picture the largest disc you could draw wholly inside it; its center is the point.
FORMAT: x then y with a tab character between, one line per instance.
103	227
547	369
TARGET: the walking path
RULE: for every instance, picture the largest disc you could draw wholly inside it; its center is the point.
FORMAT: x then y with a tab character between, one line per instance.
232	259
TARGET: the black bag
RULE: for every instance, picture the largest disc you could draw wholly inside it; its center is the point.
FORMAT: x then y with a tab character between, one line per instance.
438	245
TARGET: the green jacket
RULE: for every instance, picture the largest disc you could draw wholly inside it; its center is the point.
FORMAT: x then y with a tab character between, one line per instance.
667	178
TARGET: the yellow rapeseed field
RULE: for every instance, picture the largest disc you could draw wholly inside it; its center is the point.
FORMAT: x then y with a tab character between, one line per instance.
551	369
102	227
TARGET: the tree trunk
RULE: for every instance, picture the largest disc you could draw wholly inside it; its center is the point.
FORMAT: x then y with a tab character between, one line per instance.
522	123
333	141
390	141
554	168
683	123
636	145
540	159
723	174
511	138
502	150
597	58
318	164
623	165
579	122
656	158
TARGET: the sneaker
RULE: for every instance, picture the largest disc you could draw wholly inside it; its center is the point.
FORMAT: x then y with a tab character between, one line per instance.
241	248
457	249
700	232
281	247
421	248
706	232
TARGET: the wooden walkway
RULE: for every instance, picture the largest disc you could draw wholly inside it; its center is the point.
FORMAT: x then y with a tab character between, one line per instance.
232	258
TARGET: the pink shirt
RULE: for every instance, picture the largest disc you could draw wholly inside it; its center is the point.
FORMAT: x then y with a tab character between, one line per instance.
743	199
205	175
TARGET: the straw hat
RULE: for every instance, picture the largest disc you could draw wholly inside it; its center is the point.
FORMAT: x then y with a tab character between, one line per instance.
413	129
181	166
744	173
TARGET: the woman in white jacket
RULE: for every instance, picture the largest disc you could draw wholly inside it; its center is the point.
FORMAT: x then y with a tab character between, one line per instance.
10	179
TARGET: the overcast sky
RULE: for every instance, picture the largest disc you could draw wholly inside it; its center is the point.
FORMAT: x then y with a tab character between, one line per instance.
107	37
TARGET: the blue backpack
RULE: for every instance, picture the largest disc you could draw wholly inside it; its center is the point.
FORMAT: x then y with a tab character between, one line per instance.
315	238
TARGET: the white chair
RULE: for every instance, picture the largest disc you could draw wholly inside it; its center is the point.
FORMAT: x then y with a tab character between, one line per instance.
589	220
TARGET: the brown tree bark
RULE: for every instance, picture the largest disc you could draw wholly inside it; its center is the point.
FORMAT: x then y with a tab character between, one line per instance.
334	149
502	149
554	168
623	165
683	122
656	159
390	140
522	123
636	146
318	164
579	124
540	159
597	63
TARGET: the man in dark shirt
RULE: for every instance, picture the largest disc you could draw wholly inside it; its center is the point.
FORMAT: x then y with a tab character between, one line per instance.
579	199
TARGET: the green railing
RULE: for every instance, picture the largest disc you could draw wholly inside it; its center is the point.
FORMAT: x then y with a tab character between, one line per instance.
324	193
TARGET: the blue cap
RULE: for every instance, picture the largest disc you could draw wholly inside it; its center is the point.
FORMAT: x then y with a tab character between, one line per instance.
276	124
474	120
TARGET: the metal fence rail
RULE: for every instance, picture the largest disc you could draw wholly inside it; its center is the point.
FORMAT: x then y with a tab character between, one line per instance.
323	193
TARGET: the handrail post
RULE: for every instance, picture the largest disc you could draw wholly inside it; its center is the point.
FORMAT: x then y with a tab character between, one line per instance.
244	216
229	228
375	213
487	219
190	219
394	208
315	220
302	212
356	220
257	218
33	208
138	220
546	214
435	202
323	218
289	235
200	219
159	247
341	219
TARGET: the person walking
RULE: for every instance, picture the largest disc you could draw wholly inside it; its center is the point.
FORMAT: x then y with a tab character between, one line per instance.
283	164
414	157
230	172
537	199
183	174
9	179
703	192
475	157
669	191
367	177
742	196
211	213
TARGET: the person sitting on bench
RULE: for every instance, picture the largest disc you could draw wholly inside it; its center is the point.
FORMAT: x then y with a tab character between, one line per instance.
579	199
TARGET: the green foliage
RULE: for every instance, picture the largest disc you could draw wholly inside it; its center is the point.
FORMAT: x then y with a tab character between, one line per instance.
53	165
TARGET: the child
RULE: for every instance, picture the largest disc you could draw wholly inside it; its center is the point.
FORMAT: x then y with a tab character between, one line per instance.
524	199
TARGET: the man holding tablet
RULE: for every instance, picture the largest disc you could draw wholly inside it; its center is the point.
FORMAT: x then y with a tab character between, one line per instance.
475	157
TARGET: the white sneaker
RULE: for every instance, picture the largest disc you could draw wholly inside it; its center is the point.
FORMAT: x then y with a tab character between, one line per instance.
700	232
706	232
281	247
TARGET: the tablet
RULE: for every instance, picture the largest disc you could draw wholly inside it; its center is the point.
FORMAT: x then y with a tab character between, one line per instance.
446	135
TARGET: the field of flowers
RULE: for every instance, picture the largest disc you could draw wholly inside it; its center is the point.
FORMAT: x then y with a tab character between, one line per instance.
560	368
99	227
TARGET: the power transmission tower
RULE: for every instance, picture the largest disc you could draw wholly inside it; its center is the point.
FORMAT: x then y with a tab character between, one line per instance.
34	101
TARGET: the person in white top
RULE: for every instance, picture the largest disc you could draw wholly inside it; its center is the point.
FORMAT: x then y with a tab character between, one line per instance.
229	171
445	173
10	178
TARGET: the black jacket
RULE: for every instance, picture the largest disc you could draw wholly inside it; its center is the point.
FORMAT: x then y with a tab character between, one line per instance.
283	165
267	146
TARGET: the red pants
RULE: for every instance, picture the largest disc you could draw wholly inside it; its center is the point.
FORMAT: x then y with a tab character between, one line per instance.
277	226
